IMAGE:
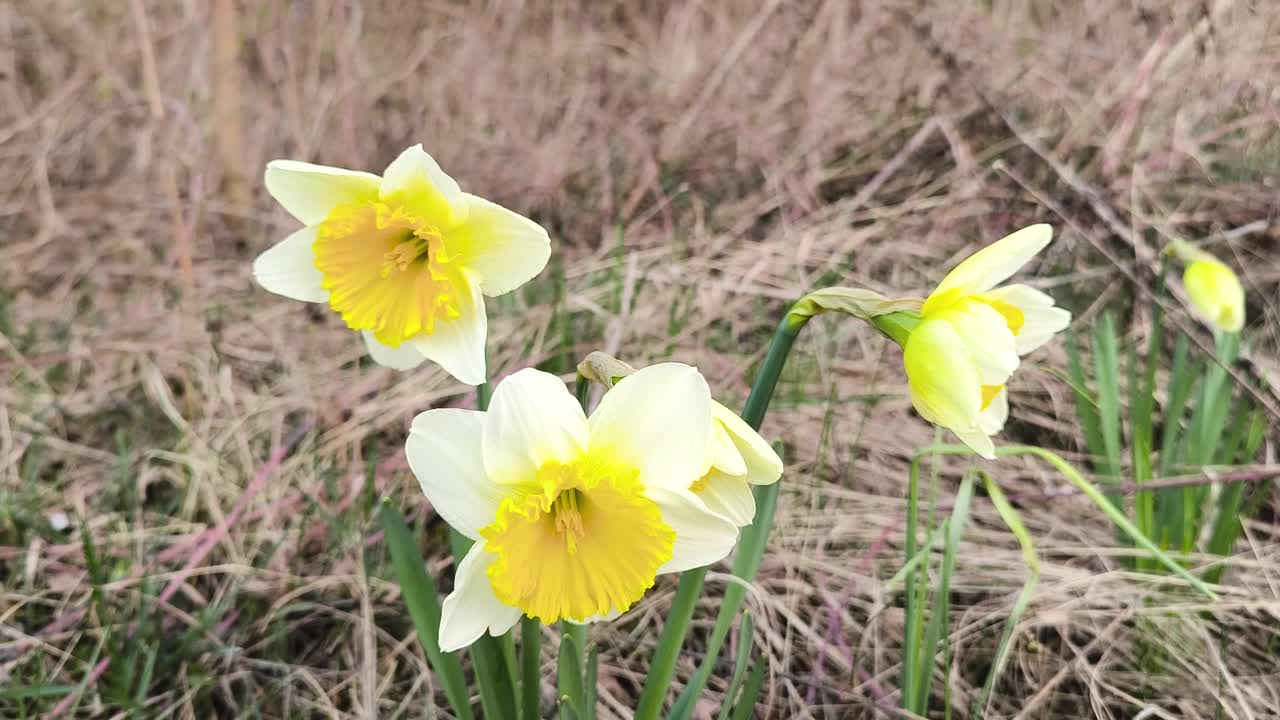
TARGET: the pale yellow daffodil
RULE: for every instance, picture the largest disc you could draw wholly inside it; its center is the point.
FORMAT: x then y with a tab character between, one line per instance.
405	258
971	334
739	458
572	517
1215	292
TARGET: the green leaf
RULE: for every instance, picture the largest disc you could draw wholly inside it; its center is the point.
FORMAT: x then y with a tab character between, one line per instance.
1014	522
751	692
940	608
423	601
530	669
746	641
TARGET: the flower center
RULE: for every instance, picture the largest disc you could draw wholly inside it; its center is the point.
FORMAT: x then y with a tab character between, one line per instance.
568	517
576	542
386	271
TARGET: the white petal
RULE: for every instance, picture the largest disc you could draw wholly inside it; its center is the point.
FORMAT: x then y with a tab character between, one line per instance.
309	192
729	496
944	384
1039	326
405	357
722	453
532	420
989	266
763	466
986	335
702	537
1040	319
457	345
992	418
288	268
472	608
657	420
415	180
444	453
978	441
504	249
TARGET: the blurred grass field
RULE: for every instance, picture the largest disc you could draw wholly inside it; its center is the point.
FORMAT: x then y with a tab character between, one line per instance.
698	165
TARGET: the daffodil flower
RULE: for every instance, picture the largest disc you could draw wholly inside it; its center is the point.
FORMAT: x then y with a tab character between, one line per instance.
739	458
405	258
572	517
1215	291
971	334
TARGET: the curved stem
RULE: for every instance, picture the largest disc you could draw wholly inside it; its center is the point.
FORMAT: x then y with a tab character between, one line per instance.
745	564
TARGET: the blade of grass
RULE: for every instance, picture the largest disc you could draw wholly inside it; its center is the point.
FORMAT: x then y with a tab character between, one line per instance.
1106	367
1086	405
743	657
915	601
1004	648
751	692
423	601
940	608
1087	489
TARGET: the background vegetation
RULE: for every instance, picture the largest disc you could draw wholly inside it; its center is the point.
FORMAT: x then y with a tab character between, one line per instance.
189	465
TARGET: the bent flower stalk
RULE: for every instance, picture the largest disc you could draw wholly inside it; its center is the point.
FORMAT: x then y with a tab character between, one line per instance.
405	258
971	335
572	517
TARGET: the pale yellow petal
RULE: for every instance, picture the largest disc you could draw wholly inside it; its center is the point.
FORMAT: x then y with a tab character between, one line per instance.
763	466
415	182
471	609
1038	319
987	337
405	357
723	454
457	344
444	453
533	420
309	192
657	420
502	248
729	496
288	268
702	537
991	419
989	266
944	384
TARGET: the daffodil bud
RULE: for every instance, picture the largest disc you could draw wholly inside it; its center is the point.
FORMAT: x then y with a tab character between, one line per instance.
603	368
1215	292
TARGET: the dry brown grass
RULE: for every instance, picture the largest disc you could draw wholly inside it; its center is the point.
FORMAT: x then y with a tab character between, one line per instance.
706	161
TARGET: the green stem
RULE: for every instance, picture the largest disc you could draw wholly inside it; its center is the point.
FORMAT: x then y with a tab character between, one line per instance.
664	658
751	544
530	669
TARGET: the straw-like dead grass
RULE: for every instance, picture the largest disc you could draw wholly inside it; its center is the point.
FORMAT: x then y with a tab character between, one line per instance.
697	164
